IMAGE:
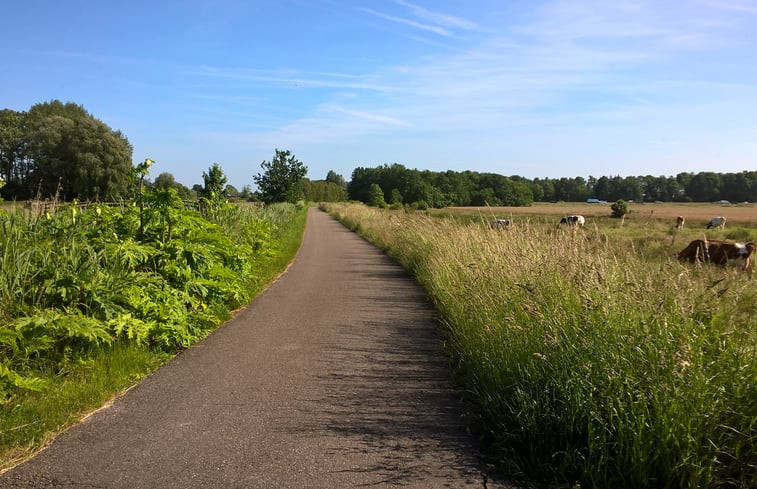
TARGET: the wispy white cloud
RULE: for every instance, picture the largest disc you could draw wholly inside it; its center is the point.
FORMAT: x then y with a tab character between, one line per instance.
587	77
427	20
744	6
372	116
425	27
295	78
438	18
592	64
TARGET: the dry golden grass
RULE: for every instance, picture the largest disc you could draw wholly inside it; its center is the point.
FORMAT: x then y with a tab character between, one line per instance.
695	213
598	360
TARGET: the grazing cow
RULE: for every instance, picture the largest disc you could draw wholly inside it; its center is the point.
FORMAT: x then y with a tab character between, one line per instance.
573	220
680	221
500	224
716	222
719	252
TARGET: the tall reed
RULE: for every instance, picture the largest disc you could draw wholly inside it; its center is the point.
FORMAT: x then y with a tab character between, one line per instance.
589	363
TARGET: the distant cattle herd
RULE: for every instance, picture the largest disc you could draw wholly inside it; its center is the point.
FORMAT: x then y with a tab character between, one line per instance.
699	250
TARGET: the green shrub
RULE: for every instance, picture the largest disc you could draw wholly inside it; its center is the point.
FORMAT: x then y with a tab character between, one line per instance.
619	208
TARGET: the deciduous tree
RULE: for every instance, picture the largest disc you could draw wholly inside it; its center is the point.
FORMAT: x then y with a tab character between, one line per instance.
215	184
281	178
70	147
335	178
376	196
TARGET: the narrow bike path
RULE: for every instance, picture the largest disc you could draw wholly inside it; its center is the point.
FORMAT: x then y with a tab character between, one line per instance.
331	378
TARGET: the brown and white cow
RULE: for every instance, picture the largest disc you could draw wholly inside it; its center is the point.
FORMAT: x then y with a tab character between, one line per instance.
719	252
680	221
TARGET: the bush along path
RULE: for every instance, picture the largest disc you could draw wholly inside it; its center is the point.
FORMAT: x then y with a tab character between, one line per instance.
332	378
93	299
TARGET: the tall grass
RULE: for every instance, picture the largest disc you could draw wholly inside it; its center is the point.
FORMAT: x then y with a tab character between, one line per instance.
590	361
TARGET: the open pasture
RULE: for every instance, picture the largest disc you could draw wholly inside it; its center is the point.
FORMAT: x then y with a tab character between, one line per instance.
697	214
651	228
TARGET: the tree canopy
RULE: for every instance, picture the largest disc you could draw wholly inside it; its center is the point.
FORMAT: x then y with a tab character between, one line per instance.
441	189
335	178
281	178
437	189
332	189
215	183
166	180
59	148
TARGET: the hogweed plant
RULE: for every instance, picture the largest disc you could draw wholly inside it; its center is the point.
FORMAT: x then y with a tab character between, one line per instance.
151	272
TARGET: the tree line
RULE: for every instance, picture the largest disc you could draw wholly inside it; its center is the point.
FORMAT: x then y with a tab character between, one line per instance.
400	185
60	149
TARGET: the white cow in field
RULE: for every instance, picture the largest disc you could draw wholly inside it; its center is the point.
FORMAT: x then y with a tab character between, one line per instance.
573	220
500	224
716	222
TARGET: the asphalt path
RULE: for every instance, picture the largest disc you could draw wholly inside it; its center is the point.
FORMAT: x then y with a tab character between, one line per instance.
331	378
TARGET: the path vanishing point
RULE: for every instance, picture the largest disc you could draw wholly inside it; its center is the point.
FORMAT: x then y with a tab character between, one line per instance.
331	378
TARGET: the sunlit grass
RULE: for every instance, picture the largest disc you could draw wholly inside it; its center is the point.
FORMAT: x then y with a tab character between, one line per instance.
591	355
29	420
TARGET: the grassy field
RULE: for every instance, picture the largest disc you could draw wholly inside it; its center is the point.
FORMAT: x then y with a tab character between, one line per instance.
651	227
697	215
593	358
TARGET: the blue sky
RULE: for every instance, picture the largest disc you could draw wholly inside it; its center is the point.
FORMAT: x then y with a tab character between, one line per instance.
530	88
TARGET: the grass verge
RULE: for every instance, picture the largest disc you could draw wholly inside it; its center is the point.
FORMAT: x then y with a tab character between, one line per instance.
32	419
593	360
